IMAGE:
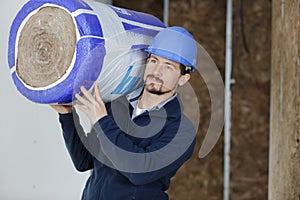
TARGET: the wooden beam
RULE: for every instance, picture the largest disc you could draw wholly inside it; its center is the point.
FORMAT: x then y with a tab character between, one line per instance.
284	173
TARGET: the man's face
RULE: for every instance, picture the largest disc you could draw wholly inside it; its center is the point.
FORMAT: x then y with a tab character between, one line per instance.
161	75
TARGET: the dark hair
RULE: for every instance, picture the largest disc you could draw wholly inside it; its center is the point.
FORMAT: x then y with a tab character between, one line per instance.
184	69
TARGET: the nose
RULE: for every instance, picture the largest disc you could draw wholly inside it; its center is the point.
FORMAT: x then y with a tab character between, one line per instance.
158	70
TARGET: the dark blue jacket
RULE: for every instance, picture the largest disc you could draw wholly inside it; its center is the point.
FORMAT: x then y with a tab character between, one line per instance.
114	136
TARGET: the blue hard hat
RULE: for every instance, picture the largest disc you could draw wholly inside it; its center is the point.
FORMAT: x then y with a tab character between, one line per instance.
176	44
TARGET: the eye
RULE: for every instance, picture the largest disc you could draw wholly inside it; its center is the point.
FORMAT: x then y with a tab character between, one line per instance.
153	61
169	68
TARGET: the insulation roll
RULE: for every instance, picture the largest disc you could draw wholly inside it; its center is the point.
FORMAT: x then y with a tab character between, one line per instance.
56	46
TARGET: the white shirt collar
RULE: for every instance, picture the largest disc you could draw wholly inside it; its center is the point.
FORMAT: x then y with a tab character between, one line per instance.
134	97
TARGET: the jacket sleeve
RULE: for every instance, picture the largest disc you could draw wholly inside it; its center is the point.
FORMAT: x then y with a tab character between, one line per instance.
76	141
147	171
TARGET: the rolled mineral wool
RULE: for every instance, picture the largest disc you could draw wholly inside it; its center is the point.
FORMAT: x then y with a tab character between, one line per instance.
57	46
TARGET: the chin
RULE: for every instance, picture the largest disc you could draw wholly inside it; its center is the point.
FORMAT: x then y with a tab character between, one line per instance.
156	91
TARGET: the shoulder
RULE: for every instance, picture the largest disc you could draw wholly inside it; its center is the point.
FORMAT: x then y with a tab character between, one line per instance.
186	122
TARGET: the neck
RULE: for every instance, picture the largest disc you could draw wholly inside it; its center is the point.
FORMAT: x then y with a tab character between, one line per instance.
149	100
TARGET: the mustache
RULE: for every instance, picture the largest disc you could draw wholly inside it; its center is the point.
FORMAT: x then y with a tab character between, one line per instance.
154	77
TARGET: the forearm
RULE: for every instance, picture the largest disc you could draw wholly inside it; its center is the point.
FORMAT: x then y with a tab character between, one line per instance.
74	140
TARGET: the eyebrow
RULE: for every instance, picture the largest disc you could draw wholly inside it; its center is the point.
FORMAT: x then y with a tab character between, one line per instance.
152	56
168	63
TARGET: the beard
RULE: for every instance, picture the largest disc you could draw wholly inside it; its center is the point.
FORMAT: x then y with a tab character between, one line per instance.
153	88
157	91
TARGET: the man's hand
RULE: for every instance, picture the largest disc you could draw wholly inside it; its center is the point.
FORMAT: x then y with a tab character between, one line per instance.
62	109
93	107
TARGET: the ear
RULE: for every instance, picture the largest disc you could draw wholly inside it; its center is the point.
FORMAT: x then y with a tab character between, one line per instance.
184	79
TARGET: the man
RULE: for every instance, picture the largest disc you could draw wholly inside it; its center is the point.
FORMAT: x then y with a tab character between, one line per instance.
138	141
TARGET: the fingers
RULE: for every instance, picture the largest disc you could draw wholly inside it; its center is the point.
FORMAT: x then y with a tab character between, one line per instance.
82	108
82	100
62	109
91	104
87	95
85	102
98	94
88	99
